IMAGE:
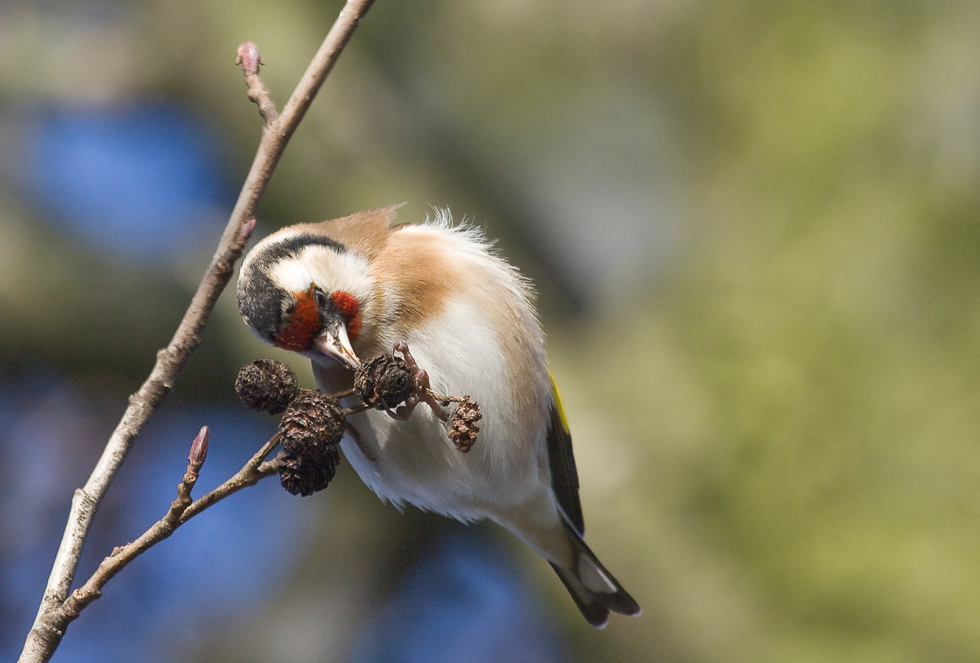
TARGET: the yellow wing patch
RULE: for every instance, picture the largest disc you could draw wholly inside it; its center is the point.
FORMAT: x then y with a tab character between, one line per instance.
564	476
558	406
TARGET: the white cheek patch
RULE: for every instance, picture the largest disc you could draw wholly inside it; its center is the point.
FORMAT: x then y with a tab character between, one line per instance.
291	275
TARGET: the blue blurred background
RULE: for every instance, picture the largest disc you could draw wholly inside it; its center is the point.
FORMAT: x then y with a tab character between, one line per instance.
753	228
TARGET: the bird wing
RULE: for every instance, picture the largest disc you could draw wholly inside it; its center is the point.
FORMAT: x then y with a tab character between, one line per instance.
564	476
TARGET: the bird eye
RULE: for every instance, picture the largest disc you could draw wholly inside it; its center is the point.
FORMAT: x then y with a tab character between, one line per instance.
320	298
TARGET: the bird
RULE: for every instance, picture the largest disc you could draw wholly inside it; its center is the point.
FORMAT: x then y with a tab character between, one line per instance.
344	291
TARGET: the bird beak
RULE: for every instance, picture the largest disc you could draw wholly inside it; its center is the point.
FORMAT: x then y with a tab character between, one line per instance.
334	344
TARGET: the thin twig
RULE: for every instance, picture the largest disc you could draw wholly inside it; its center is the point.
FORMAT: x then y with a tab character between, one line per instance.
250	60
181	510
255	469
42	641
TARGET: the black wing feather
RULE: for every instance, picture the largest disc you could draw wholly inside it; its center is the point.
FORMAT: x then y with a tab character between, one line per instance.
564	476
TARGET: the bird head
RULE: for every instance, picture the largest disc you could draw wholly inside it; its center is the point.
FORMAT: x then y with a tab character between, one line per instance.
303	291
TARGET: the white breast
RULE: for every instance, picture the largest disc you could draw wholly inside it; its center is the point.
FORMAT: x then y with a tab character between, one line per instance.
416	462
482	341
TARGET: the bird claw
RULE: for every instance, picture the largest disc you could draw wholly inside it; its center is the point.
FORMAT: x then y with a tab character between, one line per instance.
423	391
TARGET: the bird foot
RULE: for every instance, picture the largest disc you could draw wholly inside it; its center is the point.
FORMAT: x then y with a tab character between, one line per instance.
423	391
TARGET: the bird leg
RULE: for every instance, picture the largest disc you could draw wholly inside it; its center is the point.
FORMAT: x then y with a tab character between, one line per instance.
423	391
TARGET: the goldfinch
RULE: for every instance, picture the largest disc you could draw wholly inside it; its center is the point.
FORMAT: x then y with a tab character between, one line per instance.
347	290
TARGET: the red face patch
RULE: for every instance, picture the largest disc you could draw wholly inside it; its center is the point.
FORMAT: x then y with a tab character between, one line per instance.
348	307
303	324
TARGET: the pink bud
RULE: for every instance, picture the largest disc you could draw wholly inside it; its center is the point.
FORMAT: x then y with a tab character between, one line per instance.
248	57
199	448
247	228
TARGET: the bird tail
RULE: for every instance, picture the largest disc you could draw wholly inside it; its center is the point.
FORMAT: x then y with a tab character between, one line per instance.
592	587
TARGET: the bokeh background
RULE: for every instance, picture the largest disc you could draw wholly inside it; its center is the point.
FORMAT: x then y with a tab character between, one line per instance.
754	228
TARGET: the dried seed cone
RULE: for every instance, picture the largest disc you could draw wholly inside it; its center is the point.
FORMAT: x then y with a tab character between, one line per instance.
266	385
384	382
312	425
463	427
305	475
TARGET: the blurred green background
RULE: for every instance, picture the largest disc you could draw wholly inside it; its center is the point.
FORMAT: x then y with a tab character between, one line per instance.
754	231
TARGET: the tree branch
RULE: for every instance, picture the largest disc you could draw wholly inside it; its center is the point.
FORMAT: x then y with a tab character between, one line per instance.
42	639
181	510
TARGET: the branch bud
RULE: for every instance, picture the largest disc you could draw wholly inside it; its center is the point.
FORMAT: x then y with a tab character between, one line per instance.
248	57
246	230
199	448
